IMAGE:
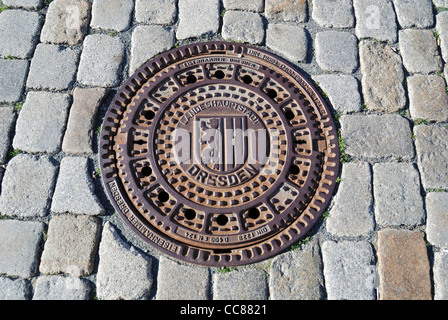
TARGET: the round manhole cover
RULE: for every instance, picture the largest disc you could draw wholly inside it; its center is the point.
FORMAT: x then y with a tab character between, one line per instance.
219	154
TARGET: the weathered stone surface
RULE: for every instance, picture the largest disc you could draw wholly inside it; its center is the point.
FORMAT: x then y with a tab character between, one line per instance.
247	284
71	245
382	77
334	13
419	51
180	282
27	186
27	4
428	98
123	272
248	5
53	68
397	195
437	221
243	26
409	17
74	190
297	275
442	30
337	51
440	3
18	31
431	143
342	90
12	79
441	275
377	136
19	247
61	288
346	266
14	289
7	118
100	67
287	10
78	137
375	19
289	40
41	122
352	213
403	265
194	22
156	11
111	14
66	22
147	41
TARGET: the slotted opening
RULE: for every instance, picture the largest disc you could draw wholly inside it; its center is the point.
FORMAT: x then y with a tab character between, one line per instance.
222	251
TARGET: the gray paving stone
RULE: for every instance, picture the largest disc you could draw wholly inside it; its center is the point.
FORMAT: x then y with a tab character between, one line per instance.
12	79
26	4
247	5
111	14
53	68
66	22
246	284
78	137
382	77
346	269
41	122
287	10
403	265
440	3
147	41
337	51
440	271
61	288
419	51
334	13
398	200
18	31
428	98
375	19
342	90
377	136
7	119
437	221
27	186
442	30
180	282
297	275
352	212
289	40
194	22
409	17
74	190
243	26
156	11
19	247
431	143
71	245
14	289
100	67
123	272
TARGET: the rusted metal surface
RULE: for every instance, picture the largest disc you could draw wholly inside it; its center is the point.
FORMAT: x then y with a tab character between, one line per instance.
219	154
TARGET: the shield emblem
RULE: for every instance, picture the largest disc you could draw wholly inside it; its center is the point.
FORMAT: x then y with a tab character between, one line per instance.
220	143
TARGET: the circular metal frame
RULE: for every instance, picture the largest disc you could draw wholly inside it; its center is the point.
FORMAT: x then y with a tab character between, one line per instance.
219	154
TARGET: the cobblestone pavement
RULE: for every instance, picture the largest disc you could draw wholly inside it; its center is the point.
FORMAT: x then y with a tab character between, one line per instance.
380	63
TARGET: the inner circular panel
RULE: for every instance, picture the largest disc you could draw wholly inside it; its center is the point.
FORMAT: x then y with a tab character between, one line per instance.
219	154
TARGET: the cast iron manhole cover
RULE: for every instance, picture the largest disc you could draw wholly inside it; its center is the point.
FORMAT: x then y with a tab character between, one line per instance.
219	154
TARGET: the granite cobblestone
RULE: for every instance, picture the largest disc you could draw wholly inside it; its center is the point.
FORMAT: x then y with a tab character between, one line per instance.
379	64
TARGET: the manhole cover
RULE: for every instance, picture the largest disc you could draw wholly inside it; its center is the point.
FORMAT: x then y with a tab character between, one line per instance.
219	154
